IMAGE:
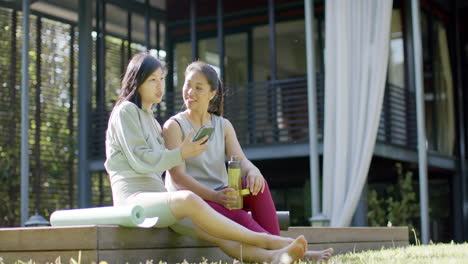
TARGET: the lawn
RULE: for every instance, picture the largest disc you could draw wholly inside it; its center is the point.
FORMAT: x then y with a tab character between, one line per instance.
430	254
436	253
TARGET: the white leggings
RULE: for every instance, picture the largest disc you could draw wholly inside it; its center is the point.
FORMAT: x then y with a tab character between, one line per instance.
149	194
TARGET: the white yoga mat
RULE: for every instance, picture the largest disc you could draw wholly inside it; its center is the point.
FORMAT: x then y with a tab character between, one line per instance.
131	216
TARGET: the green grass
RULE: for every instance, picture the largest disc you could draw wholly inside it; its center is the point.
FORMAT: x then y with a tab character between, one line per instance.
436	253
430	254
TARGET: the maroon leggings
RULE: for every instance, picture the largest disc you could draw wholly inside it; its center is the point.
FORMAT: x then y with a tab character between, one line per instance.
263	210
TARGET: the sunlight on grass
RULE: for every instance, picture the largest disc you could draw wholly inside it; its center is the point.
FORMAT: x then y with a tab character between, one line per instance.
438	253
430	254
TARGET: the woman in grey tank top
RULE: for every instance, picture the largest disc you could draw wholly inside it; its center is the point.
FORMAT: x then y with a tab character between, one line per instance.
206	174
136	158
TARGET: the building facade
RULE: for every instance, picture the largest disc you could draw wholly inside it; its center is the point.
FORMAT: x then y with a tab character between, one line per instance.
259	50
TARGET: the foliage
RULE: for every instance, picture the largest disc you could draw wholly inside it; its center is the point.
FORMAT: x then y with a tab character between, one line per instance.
53	151
397	205
10	184
53	114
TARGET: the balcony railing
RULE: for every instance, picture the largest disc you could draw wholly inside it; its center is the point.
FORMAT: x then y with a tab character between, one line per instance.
276	112
272	112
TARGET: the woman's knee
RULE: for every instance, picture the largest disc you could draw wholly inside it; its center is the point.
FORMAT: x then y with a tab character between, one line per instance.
186	200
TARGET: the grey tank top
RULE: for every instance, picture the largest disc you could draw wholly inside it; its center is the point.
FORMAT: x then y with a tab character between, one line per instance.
209	167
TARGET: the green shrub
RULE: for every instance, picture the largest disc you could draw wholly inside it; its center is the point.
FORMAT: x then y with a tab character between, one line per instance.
397	204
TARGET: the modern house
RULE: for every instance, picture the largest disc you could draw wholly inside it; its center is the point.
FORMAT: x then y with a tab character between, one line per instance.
259	49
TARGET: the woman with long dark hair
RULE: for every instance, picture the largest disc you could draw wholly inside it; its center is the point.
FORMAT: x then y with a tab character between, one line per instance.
136	158
206	174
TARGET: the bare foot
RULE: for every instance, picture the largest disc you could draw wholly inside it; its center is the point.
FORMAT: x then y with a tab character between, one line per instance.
280	242
294	251
322	255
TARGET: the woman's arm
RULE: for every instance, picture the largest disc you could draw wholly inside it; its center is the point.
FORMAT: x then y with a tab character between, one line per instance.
127	131
173	137
255	180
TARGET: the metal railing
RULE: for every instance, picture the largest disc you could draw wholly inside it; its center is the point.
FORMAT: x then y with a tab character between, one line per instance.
398	118
272	112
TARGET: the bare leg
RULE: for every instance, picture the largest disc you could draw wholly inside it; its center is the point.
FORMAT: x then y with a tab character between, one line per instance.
321	255
187	204
245	252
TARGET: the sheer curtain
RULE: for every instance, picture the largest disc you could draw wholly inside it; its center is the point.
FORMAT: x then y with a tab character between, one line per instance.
444	93
356	58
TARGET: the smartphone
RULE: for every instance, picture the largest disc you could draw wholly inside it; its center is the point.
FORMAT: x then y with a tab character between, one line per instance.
203	131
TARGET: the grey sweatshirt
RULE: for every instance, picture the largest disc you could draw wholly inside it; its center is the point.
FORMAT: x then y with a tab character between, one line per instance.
135	152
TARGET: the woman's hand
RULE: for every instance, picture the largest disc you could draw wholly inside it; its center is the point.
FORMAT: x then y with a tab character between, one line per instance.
190	149
255	181
224	197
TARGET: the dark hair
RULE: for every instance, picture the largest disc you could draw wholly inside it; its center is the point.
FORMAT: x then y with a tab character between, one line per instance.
140	67
216	104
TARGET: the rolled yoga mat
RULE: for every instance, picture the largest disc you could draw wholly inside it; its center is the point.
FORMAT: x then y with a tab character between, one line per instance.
283	219
131	216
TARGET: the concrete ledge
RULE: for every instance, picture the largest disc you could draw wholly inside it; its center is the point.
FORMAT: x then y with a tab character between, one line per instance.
351	239
134	245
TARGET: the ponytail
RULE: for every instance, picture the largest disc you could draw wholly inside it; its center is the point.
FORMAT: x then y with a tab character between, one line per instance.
216	105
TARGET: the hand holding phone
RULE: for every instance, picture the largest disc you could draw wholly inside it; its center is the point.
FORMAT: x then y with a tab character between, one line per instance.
203	131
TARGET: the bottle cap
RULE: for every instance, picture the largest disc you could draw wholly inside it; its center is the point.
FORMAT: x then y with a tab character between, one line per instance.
245	192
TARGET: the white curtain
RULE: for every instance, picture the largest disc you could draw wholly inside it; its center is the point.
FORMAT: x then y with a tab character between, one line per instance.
444	93
356	58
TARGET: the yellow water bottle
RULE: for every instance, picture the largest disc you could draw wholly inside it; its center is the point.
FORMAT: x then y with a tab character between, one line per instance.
235	182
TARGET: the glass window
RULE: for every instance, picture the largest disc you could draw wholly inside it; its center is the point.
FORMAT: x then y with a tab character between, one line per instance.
285	108
236	59
235	63
438	86
182	58
208	52
290	49
237	93
396	60
443	84
394	120
261	56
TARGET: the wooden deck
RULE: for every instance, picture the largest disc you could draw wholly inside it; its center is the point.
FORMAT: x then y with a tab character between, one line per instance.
134	245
